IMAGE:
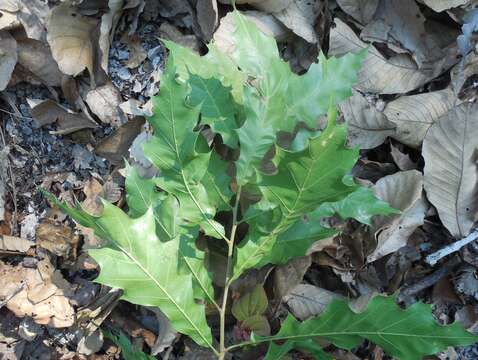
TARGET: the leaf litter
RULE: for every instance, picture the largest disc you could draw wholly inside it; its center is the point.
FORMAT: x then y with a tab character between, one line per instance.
411	113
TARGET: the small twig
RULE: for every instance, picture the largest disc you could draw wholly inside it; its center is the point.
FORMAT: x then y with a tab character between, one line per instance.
432	259
429	280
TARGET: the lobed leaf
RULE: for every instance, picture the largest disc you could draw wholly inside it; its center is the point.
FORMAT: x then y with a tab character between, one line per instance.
405	334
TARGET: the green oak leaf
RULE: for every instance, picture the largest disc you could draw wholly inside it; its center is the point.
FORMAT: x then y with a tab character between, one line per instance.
149	268
218	108
403	334
303	181
276	352
181	153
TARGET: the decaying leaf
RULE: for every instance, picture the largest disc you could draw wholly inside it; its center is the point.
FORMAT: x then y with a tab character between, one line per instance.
367	127
402	191
8	58
442	5
14	243
207	17
115	147
57	238
300	17
31	13
289	275
414	114
401	22
398	74
36	57
403	161
8	20
3	179
360	10
34	293
450	173
48	112
69	37
108	25
305	301
104	102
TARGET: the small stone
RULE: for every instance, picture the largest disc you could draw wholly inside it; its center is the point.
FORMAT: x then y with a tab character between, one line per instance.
124	74
29	330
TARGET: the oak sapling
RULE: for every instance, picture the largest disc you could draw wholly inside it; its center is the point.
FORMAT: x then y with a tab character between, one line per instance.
247	97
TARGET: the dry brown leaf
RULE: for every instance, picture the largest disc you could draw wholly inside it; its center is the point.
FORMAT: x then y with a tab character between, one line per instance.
170	32
107	28
398	74
48	111
69	37
207	17
367	127
31	13
14	243
264	5
300	17
94	192
402	160
104	102
8	20
442	5
463	77
403	191
8	58
56	238
450	172
36	57
401	21
289	275
137	54
31	292
305	301
115	147
414	114
3	179
360	10
137	108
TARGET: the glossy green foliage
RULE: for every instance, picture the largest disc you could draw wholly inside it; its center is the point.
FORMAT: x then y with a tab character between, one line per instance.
248	99
403	334
148	257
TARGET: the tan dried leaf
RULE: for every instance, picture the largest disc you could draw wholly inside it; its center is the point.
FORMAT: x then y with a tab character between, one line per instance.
69	36
305	301
398	74
31	13
104	102
57	238
442	5
207	17
8	20
360	10
8	58
414	114
300	17
31	292
450	172
14	243
48	111
367	127
403	191
108	24
36	57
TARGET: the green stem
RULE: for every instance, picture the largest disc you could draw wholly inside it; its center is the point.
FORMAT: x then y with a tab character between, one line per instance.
230	252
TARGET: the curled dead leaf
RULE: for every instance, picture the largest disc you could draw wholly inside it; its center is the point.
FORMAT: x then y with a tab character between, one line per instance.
414	114
32	292
403	191
104	102
450	172
36	57
8	58
69	36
